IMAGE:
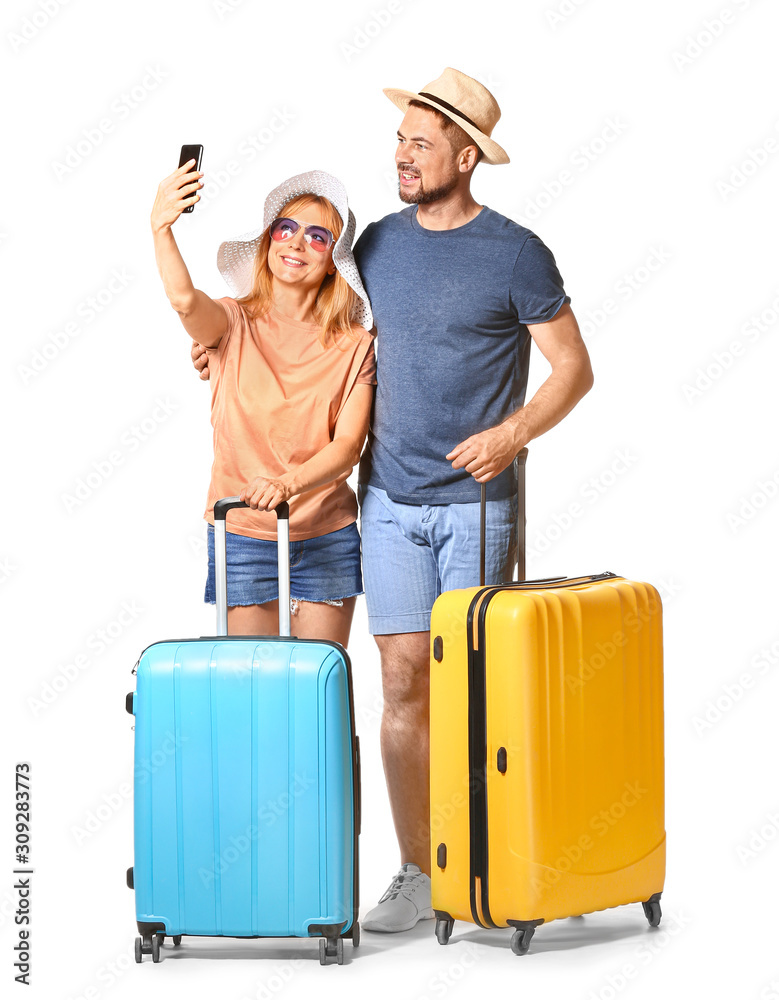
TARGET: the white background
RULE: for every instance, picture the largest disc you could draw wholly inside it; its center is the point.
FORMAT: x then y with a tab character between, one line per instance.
643	479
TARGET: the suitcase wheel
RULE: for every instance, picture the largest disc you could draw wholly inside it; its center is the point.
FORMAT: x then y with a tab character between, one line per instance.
443	929
149	944
356	934
652	912
331	948
177	940
520	940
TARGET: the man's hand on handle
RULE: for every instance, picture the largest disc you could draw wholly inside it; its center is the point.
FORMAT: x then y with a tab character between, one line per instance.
487	454
200	360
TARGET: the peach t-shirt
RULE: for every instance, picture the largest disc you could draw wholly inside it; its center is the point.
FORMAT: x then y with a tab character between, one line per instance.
276	394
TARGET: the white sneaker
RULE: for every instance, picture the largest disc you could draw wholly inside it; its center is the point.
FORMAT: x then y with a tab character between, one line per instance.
406	900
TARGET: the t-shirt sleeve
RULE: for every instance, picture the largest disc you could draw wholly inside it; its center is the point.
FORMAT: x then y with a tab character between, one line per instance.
234	322
363	242
367	372
536	291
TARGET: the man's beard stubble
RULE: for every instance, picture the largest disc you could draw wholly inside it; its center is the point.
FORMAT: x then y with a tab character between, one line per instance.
423	197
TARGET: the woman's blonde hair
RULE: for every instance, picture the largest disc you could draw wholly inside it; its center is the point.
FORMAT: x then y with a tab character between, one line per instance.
335	299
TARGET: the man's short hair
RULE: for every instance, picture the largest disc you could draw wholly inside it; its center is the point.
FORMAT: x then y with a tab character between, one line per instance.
457	137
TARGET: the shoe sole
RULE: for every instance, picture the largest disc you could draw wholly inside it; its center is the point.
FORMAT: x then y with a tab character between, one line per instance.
424	915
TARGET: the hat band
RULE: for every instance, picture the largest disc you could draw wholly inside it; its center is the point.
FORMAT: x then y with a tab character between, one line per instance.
450	107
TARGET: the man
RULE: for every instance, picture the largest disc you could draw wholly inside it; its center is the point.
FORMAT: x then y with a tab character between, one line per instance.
457	291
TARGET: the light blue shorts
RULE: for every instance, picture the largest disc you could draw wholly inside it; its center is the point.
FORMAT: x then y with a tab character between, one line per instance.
412	553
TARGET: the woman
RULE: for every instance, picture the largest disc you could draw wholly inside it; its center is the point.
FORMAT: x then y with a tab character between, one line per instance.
292	374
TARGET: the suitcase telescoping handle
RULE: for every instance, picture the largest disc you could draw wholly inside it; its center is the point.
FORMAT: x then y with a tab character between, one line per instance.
521	459
221	507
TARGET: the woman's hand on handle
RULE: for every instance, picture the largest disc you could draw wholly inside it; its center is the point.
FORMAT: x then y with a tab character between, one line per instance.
175	193
266	493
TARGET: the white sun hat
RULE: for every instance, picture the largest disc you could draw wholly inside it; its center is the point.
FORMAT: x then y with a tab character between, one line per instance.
235	258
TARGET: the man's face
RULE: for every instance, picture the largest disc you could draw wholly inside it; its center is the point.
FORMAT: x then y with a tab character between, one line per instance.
427	167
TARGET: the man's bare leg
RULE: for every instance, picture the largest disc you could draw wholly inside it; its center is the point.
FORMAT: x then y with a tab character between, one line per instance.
405	748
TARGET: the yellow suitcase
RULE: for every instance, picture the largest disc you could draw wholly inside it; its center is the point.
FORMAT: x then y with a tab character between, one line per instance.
546	752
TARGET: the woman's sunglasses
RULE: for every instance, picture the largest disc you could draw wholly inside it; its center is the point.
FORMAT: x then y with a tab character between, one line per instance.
317	237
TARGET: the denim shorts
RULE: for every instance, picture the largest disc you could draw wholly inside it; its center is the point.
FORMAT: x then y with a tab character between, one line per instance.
326	568
412	553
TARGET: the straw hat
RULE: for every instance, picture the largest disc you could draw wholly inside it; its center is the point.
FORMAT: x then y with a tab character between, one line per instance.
467	102
235	258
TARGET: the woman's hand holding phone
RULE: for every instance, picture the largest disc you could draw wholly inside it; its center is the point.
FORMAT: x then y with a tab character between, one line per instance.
175	194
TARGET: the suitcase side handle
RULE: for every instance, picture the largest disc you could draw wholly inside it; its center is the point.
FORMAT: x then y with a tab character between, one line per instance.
221	508
521	461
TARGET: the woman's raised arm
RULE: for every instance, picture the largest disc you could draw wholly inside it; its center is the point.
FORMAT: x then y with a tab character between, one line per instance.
204	320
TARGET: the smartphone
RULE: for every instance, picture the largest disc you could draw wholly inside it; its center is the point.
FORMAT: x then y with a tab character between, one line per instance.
191	153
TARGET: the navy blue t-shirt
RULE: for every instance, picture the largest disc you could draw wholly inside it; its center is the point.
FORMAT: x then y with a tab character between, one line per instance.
451	308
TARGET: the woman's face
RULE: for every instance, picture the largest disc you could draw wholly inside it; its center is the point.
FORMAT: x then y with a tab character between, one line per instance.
294	261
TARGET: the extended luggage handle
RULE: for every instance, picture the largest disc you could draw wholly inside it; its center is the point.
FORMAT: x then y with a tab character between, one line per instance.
521	460
549	581
221	508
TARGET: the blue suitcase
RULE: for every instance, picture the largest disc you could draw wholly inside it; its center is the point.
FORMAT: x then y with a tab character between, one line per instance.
247	783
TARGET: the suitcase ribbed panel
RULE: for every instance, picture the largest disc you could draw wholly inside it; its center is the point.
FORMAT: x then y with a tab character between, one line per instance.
244	788
579	708
574	696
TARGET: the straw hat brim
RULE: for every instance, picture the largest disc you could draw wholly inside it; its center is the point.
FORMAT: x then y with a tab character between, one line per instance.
493	153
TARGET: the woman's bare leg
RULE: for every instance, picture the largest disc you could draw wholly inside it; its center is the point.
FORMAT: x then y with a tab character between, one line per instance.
312	620
315	620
